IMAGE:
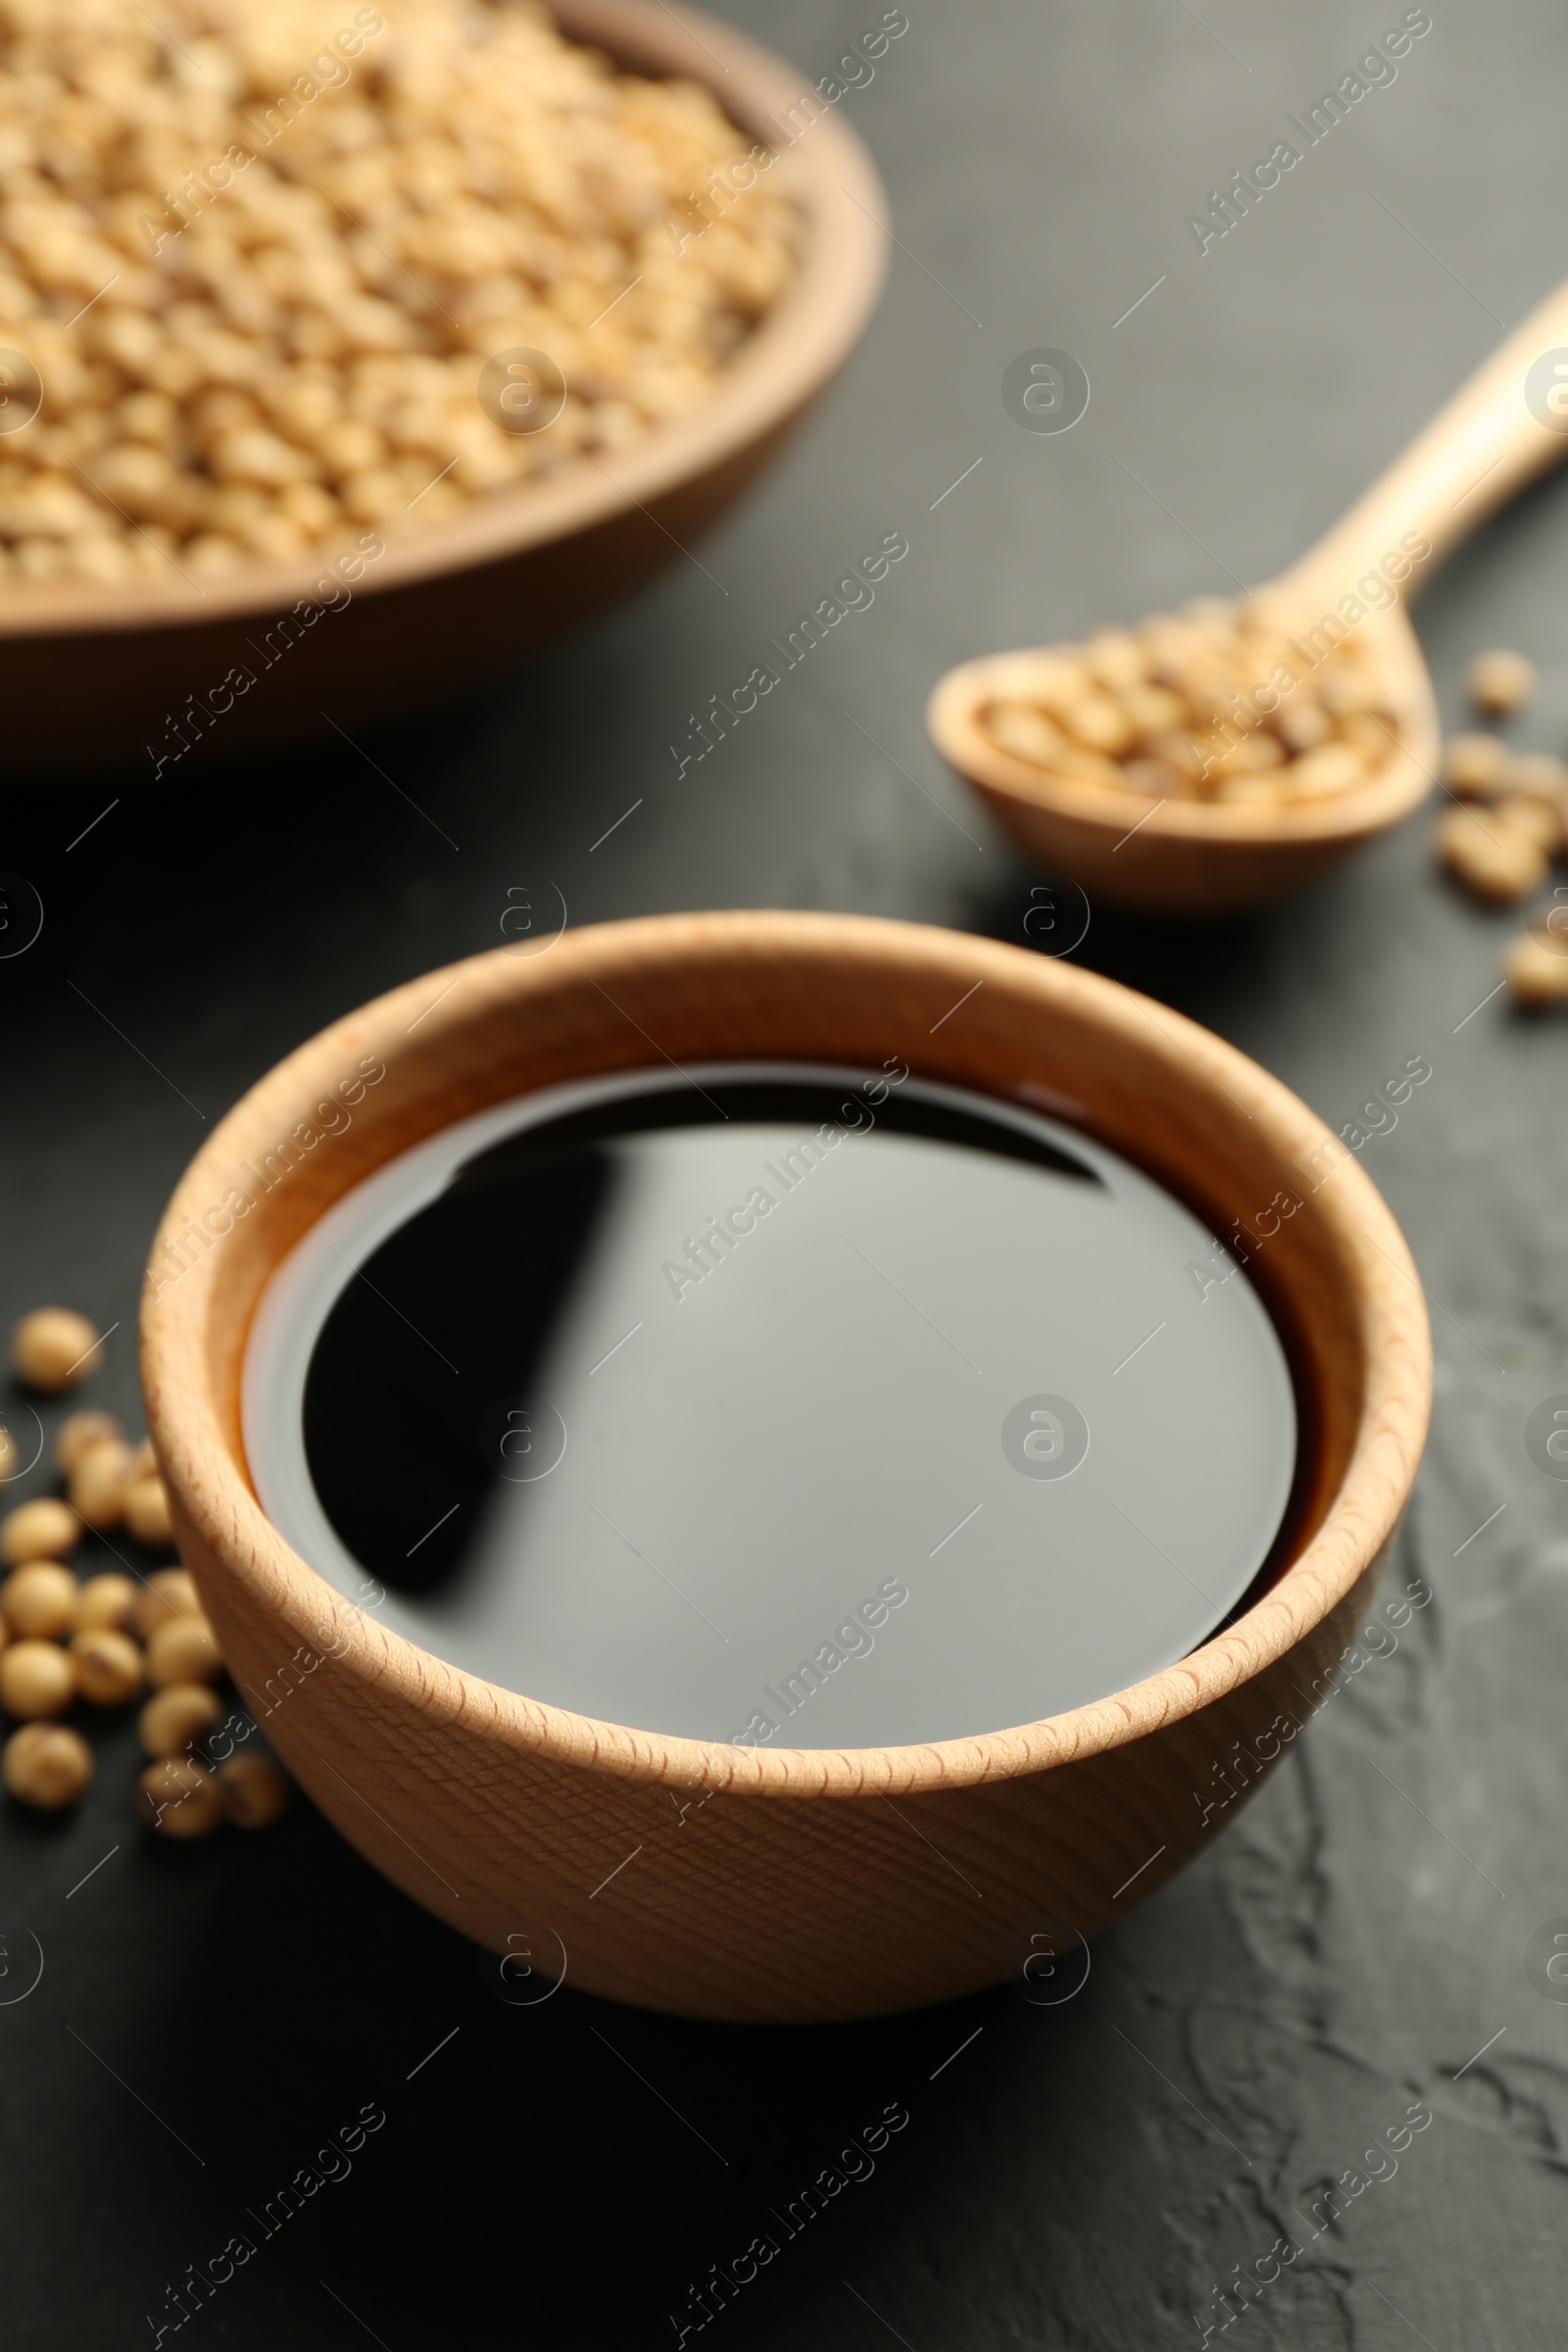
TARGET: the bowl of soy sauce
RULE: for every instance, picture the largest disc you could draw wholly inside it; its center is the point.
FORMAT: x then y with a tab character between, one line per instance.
781	1466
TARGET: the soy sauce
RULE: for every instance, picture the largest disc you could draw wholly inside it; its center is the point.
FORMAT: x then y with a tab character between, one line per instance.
788	1405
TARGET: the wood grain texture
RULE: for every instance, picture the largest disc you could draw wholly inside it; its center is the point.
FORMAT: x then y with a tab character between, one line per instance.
450	605
1201	857
811	1884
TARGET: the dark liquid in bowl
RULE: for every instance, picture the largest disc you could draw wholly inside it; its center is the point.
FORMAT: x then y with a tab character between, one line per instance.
809	1410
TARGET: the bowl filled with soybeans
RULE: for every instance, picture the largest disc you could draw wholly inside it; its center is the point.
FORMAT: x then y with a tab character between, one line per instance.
347	355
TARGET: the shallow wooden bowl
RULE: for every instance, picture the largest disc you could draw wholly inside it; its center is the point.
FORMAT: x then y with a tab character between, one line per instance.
1186	858
91	678
809	1883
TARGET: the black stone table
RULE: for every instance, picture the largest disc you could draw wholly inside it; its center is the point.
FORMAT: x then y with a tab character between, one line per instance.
213	2021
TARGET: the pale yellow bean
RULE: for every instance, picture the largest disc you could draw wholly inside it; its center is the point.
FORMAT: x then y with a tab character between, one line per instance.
1496	863
108	1667
40	1599
254	1790
77	1432
1500	682
1536	968
147	1512
99	1478
168	1593
105	1601
1474	766
41	1530
180	1799
54	1347
46	1765
177	1717
35	1679
184	1651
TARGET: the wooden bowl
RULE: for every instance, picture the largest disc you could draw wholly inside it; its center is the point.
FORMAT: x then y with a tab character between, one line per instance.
1186	858
91	678
809	1883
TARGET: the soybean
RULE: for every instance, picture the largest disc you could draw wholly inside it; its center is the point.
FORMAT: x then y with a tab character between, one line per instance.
108	1667
168	1593
35	1679
183	1651
39	1599
52	1348
81	1429
97	1484
1536	968
1497	861
105	1601
180	1799
41	1530
1501	683
1474	766
254	1790
47	1765
146	1509
177	1717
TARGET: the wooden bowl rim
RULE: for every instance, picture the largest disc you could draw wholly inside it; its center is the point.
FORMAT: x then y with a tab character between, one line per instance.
791	354
1372	808
211	1490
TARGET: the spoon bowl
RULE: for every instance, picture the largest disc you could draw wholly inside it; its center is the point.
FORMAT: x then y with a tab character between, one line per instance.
1187	857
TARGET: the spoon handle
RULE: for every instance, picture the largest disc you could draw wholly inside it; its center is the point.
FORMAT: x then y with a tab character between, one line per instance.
1480	447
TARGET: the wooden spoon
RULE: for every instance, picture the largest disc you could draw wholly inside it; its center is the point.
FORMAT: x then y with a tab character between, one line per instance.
1185	856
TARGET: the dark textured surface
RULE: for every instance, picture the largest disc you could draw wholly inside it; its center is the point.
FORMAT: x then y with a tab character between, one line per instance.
1087	2175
